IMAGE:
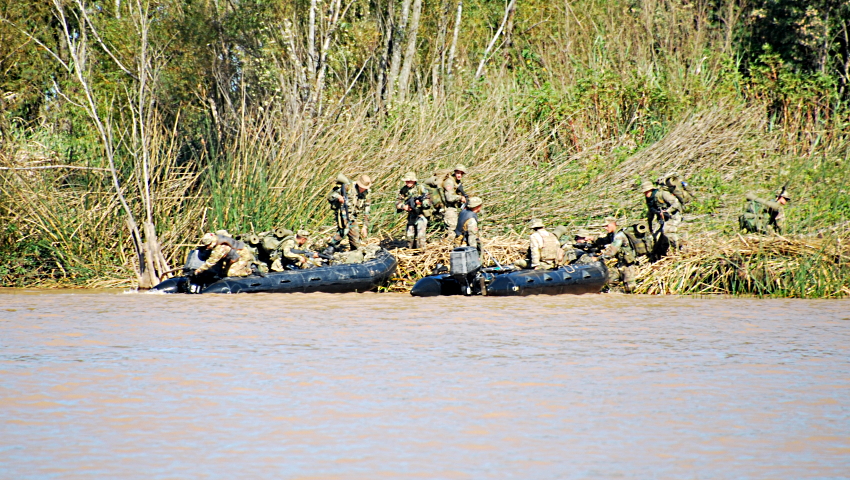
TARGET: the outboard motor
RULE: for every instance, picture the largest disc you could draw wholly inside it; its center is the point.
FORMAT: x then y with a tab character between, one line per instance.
465	265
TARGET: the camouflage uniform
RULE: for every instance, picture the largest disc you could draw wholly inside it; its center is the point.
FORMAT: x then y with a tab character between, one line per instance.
353	217
544	249
466	229
581	256
454	195
763	216
417	221
622	250
233	253
664	207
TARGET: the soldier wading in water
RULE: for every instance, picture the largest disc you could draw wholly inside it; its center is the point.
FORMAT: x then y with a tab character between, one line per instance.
234	255
351	205
414	199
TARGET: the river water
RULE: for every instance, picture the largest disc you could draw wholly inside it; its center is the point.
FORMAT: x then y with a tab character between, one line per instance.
367	386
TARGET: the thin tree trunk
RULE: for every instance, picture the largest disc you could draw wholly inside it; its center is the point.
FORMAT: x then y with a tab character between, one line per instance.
486	55
311	42
450	62
387	28
410	51
398	41
438	63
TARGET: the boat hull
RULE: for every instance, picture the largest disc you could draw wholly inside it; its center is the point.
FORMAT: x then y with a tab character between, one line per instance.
355	277
569	279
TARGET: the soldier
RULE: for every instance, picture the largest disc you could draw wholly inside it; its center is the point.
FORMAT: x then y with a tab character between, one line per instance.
351	205
545	251
621	249
454	196
762	216
416	201
664	207
466	230
234	255
289	259
583	249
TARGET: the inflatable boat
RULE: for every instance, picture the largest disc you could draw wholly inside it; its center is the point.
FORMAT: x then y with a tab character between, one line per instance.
343	278
467	277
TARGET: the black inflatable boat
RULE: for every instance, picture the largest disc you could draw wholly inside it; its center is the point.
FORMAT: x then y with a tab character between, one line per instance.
354	277
467	277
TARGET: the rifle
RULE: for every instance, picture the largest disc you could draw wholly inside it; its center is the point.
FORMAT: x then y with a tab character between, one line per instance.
411	202
343	182
309	254
587	247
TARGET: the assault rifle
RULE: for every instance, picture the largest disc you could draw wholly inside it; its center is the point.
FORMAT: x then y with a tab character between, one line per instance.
587	247
310	254
343	182
412	203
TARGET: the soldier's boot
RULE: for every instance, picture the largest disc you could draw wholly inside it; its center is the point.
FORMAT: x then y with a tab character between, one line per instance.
336	243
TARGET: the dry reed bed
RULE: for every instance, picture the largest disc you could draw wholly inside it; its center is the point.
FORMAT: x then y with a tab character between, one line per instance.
777	266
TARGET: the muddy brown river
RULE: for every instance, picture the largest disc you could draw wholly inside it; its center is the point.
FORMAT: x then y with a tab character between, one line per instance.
368	386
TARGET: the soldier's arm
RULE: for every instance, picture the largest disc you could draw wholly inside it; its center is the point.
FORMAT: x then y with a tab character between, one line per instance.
472	232
367	209
535	251
461	191
289	254
614	247
671	200
217	254
426	199
449	187
400	201
335	196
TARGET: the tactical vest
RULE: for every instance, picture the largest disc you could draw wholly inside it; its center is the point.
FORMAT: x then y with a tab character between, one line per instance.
462	219
641	244
549	250
627	251
654	203
235	246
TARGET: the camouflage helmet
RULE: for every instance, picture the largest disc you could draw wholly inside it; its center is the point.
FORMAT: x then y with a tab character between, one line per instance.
646	186
303	233
474	202
460	168
560	230
610	220
364	181
409	177
583	233
535	223
208	239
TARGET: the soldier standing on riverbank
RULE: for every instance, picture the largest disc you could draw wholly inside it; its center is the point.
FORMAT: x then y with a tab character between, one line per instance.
351	205
466	229
414	199
621	249
664	207
454	196
234	255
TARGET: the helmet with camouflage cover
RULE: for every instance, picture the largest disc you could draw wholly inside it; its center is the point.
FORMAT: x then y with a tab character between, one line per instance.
208	239
303	233
610	220
583	233
364	181
560	230
474	202
646	186
535	224
460	168
409	177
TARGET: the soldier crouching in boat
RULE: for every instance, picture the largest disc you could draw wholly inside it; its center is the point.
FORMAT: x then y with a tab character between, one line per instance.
234	255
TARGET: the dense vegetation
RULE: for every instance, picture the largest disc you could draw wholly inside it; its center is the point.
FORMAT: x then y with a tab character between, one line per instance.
129	124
